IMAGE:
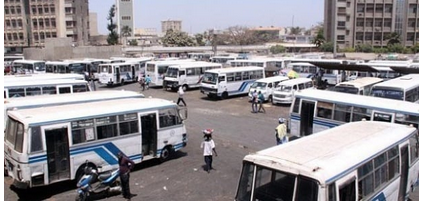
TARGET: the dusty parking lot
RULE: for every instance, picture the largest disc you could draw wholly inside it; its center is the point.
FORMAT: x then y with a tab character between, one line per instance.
237	133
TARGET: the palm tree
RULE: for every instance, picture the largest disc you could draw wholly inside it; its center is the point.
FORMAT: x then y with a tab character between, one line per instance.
126	31
319	39
393	38
295	30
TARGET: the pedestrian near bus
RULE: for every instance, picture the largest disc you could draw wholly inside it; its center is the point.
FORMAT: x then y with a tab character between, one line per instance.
125	165
254	96
147	81
281	132
208	146
181	95
261	99
142	82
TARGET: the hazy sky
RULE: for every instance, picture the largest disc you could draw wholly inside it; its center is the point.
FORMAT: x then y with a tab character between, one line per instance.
200	15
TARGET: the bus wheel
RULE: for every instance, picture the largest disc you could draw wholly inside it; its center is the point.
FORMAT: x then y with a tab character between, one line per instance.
185	87
165	154
224	95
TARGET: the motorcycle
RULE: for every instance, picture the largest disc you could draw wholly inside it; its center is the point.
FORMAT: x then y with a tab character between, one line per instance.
107	182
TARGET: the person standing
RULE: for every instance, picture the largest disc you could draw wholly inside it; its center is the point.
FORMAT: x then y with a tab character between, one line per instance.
261	99
281	132
208	146
125	165
147	81
180	95
142	82
254	102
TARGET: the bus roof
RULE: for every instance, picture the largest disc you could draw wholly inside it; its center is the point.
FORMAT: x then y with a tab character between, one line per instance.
28	61
333	153
170	62
361	82
295	81
301	64
20	83
196	64
80	97
405	82
257	60
234	69
42	76
272	79
80	111
380	104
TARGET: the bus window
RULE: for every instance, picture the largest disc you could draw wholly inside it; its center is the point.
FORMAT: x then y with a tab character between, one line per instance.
342	113
324	110
296	106
221	78
36	139
382	117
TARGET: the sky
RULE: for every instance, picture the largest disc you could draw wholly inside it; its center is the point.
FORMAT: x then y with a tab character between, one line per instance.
198	16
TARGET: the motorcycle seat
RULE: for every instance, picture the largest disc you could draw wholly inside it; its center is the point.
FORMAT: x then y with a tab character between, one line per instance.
104	176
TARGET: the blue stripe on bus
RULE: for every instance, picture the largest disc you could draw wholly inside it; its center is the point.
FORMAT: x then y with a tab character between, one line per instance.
317	122
242	87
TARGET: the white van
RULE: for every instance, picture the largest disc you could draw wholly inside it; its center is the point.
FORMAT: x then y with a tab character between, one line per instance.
266	86
284	92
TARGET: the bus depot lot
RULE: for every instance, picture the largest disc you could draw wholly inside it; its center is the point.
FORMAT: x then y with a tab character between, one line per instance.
237	132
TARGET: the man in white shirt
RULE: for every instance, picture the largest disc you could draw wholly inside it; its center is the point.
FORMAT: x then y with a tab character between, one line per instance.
208	146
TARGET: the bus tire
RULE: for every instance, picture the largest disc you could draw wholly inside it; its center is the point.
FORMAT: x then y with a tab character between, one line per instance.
165	154
224	95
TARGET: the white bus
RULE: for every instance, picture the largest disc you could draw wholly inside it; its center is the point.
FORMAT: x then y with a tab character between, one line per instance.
303	69
63	99
285	91
266	86
224	60
272	65
404	88
156	70
200	56
314	110
45	76
51	144
118	73
76	67
23	88
227	82
28	67
359	86
8	61
359	161
188	75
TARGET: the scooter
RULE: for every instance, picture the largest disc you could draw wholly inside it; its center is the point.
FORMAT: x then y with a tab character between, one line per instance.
107	182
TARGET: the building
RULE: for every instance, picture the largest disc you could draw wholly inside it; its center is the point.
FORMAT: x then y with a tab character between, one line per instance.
93	24
353	22
174	25
125	15
28	23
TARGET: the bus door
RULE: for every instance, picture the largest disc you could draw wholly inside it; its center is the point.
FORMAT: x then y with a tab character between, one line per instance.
404	172
58	161
149	134
306	115
64	89
117	75
382	116
133	73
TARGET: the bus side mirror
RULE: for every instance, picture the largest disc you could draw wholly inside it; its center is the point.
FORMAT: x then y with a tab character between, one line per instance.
182	112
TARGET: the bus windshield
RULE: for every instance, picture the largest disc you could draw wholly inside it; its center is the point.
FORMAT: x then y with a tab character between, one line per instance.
172	72
351	90
387	93
284	88
272	185
258	85
14	134
210	78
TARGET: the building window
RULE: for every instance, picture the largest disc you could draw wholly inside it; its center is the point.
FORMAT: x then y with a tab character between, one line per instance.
360	22
341	23
360	8
370	8
369	23
378	22
18	10
388	23
368	36
377	36
341	37
7	23
126	18
379	8
6	10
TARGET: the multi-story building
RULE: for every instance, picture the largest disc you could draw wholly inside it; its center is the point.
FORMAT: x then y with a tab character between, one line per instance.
28	23
174	25
125	15
353	22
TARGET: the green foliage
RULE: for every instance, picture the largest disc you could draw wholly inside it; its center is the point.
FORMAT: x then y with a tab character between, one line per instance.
363	48
320	38
200	39
277	49
380	50
112	38
393	38
265	36
398	48
177	39
295	30
126	31
415	48
348	49
133	42
327	47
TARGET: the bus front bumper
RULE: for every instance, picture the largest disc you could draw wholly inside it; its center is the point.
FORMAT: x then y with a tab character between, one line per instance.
208	91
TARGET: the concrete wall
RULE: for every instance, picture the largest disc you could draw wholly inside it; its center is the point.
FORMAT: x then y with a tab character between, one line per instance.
62	48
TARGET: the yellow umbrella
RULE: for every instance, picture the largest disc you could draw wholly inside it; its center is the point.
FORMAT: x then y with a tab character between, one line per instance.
292	74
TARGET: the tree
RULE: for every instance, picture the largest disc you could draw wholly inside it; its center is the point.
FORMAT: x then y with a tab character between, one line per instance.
112	36
277	49
133	42
319	40
364	48
238	35
126	31
327	47
200	39
415	48
393	38
295	30
177	39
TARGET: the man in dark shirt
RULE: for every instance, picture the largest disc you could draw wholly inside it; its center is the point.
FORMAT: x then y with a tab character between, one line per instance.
125	165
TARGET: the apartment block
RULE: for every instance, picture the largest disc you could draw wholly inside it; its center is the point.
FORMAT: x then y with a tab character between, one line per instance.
175	25
29	23
353	22
125	15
